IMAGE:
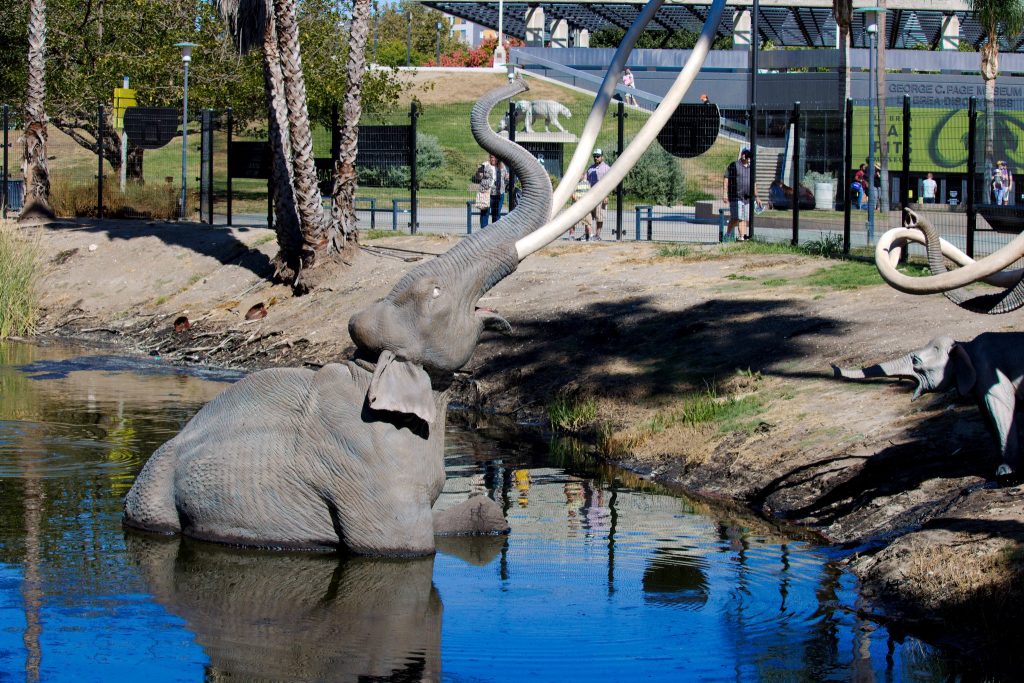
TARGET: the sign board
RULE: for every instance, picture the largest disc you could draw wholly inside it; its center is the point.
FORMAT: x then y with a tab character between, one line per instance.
151	127
325	175
691	130
123	98
383	146
249	159
549	154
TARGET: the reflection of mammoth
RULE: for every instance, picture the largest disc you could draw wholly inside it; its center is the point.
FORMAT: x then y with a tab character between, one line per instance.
299	616
990	368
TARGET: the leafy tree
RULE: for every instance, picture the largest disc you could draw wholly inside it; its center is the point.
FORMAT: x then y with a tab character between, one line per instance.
392	26
993	15
652	39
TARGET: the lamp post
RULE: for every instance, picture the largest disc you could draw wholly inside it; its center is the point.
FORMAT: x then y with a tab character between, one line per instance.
438	25
871	28
500	57
186	59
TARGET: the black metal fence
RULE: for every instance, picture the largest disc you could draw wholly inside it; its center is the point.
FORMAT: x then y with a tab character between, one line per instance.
416	169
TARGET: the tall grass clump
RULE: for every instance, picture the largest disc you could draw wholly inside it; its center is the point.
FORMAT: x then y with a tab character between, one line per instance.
18	269
572	414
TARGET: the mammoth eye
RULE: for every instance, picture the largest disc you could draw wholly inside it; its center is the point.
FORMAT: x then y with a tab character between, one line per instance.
436	293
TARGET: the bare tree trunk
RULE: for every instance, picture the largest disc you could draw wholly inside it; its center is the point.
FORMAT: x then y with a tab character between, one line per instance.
34	168
989	71
307	190
289	238
343	211
842	11
883	123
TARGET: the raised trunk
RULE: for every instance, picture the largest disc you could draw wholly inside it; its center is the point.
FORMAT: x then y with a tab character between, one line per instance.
485	258
34	168
343	210
307	189
286	218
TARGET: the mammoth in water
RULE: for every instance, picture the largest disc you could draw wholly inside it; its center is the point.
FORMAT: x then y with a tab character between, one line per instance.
352	455
990	368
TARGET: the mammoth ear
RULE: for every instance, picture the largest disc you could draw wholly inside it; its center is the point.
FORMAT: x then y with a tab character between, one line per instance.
401	387
965	374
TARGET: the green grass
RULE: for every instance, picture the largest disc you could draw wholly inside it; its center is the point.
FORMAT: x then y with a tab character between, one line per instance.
775	282
570	414
706	407
737	276
845	275
674	251
18	275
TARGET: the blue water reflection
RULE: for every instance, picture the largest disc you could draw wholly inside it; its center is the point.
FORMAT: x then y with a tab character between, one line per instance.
603	578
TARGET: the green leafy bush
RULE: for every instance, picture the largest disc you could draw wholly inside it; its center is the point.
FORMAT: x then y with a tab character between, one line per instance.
656	178
429	157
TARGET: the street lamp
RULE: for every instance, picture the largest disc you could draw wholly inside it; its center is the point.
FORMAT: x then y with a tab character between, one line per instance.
499	50
871	28
186	59
438	43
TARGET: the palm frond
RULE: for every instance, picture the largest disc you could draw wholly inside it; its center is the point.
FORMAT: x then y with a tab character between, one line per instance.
246	19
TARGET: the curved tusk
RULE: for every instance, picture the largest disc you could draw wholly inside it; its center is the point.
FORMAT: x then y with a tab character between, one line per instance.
991	269
574	214
592	127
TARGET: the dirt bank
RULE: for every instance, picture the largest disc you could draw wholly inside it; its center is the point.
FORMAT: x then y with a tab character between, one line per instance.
902	486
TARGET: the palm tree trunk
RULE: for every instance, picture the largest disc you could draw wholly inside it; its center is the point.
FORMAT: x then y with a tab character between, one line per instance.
842	12
289	238
989	71
307	190
883	124
37	175
343	210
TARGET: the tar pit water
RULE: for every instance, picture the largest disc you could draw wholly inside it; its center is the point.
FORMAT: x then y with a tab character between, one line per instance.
603	578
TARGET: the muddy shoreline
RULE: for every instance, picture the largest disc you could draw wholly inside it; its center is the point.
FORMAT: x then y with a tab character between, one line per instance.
902	489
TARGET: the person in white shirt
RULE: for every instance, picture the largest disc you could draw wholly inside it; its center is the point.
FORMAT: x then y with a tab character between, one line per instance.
928	188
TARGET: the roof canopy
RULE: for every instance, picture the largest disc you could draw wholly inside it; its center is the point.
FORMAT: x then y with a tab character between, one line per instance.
786	23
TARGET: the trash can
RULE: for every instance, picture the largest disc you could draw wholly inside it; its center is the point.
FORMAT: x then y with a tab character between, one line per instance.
15	194
824	196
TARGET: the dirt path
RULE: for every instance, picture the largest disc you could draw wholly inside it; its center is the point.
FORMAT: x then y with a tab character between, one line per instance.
902	486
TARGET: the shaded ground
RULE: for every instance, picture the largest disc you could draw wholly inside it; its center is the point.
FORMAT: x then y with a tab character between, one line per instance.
902	487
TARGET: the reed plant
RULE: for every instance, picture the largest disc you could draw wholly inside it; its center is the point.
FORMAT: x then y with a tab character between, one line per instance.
18	274
156	201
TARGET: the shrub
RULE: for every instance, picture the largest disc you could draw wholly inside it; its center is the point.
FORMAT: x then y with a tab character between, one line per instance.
18	270
429	157
812	178
656	178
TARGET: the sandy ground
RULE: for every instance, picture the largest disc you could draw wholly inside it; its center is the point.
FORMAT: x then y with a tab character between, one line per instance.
903	489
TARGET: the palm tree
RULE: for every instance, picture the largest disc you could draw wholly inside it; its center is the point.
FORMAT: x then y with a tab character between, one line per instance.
991	14
842	10
343	213
37	175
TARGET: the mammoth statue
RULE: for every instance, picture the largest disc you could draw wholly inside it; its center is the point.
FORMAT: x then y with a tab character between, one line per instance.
351	456
990	368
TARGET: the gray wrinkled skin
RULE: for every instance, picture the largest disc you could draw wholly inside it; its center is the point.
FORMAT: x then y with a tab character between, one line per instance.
990	368
352	455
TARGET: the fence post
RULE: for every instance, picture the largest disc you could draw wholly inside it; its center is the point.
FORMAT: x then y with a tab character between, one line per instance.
721	225
847	180
3	199
650	223
511	175
905	176
972	214
636	210
469	216
795	119
753	168
618	152
99	157
394	214
413	180
206	165
230	122
335	135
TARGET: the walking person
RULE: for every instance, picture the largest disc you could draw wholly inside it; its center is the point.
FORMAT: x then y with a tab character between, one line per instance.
928	189
737	189
482	201
1007	182
582	187
595	172
998	186
627	80
860	185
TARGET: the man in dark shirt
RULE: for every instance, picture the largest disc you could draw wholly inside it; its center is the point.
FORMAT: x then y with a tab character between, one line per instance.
737	190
